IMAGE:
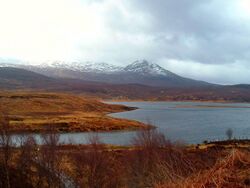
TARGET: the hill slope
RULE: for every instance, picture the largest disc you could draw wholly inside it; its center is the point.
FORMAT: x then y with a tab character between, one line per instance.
138	72
11	77
14	78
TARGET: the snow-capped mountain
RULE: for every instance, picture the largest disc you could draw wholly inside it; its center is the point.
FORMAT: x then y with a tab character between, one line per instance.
142	67
139	67
146	68
8	65
101	67
138	72
93	67
55	64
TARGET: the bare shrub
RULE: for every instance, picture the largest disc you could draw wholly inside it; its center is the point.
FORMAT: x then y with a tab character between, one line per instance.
150	139
97	168
155	159
144	165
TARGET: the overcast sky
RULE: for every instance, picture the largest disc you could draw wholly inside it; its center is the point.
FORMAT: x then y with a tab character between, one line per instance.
202	39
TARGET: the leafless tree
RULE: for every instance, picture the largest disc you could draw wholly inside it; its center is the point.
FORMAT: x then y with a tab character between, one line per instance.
6	147
48	157
229	133
97	168
27	157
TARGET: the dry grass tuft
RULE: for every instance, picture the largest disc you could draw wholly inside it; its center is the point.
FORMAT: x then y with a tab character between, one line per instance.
232	171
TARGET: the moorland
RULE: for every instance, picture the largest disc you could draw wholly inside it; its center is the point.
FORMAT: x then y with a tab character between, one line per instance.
38	111
50	106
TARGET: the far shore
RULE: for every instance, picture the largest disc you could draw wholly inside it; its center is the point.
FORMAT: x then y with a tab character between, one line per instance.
190	106
148	100
208	106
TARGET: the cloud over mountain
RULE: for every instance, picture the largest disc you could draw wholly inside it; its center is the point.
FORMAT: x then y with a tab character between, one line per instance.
208	35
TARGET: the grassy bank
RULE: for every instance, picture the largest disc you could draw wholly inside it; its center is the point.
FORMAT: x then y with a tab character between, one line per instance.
36	112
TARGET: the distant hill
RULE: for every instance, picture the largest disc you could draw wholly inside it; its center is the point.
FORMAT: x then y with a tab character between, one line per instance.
139	72
21	74
16	78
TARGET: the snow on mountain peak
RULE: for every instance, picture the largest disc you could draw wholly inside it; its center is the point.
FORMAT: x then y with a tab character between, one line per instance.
146	68
101	67
83	66
142	67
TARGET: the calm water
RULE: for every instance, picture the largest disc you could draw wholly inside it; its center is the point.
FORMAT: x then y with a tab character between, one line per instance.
191	122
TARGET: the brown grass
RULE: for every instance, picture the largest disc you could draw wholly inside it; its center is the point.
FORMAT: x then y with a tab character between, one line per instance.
232	171
34	112
152	161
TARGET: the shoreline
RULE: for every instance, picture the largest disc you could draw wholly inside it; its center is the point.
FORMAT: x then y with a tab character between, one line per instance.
187	106
132	125
198	101
63	113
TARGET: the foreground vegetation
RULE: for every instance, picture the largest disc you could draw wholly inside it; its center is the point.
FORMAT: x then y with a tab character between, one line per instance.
35	111
151	161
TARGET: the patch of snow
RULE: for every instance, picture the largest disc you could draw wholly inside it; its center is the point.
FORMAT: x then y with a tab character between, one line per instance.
82	66
146	68
142	67
101	67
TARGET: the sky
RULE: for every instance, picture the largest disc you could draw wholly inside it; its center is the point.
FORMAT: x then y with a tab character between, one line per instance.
200	39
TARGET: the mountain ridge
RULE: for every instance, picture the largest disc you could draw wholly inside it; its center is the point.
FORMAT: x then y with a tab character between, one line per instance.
138	72
20	79
147	68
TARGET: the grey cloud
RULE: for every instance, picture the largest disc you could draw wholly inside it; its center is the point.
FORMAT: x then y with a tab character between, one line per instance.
211	34
199	30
